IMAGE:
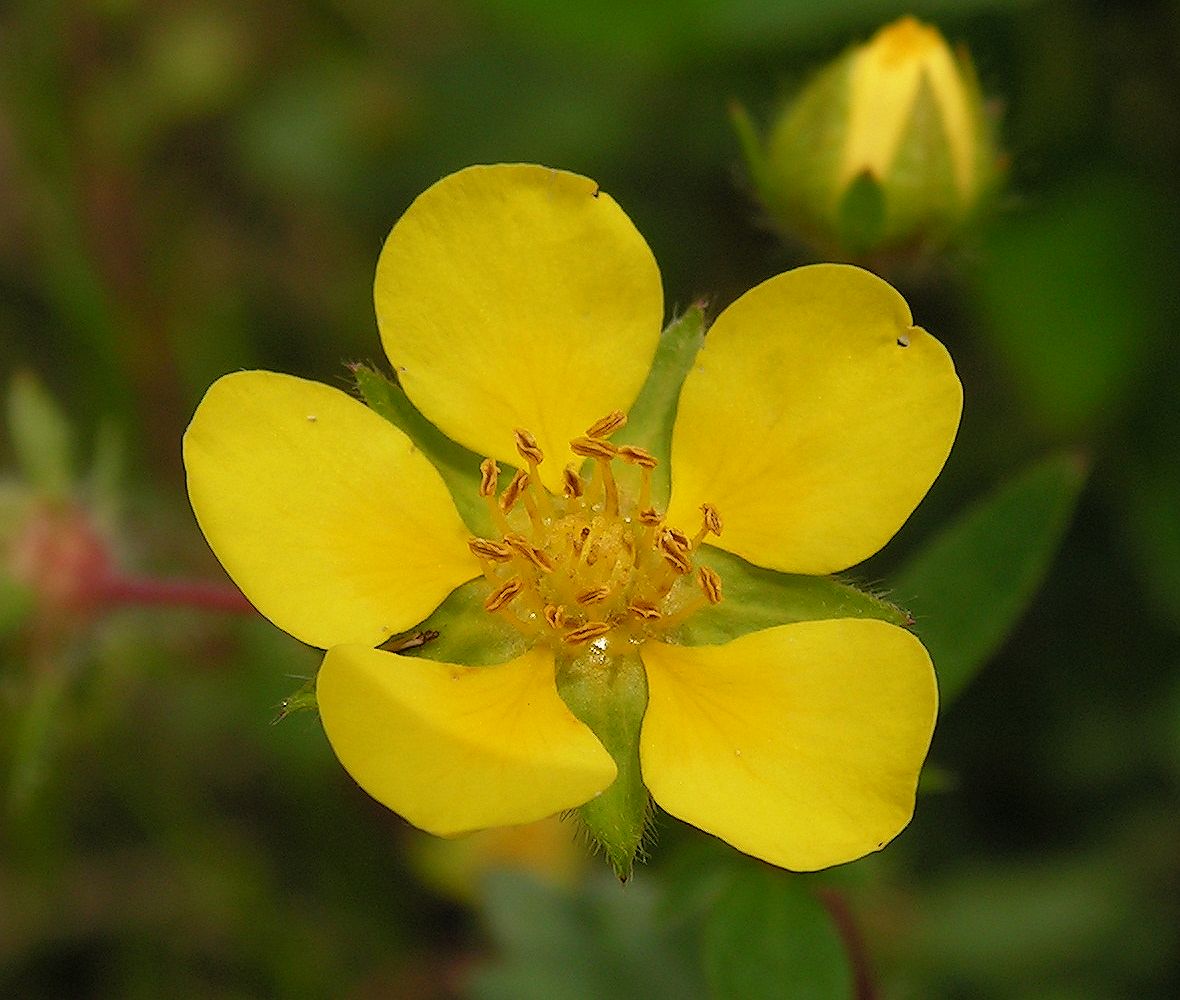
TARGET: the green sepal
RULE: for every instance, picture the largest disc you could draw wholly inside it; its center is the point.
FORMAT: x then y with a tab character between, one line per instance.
650	419
804	152
969	585
301	700
755	598
458	467
41	436
860	218
461	631
609	694
751	145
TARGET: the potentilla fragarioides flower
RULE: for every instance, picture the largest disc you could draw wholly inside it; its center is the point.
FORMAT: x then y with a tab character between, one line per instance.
605	629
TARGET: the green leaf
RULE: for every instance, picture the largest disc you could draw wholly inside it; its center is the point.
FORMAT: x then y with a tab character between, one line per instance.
968	586
768	937
754	598
458	467
609	694
41	436
600	941
650	420
1075	295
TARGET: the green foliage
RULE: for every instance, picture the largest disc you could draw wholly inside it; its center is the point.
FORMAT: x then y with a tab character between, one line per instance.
601	941
1072	292
41	436
767	936
970	584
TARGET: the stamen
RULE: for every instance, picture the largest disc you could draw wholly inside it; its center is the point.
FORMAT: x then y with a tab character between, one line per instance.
531	452
710	525
527	445
650	516
485	548
610	487
677	560
513	490
489	473
645	610
638	456
588	447
710	583
607	425
523	547
593	595
572	483
503	594
584	633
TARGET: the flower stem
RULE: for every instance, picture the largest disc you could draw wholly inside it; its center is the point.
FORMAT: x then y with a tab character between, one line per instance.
202	595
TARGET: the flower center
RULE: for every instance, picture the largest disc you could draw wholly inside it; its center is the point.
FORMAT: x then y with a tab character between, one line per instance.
596	564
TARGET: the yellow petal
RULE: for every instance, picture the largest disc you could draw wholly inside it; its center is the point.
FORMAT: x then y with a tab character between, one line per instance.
800	745
453	748
808	424
324	514
518	296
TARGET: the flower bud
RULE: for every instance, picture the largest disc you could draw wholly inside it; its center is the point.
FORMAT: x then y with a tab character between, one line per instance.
887	148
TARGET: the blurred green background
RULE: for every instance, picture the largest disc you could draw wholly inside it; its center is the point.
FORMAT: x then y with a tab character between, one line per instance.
198	186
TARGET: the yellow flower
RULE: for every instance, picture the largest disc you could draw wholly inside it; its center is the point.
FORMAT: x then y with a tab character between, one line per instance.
521	311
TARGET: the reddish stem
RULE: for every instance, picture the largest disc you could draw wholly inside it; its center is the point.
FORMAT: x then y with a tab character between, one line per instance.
198	594
854	942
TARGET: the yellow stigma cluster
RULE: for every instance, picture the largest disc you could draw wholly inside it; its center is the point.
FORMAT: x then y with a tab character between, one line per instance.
598	563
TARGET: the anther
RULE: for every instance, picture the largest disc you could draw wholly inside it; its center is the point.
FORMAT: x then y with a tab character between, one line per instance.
676	539
607	425
588	447
513	490
489	473
593	595
485	548
523	547
503	594
584	633
712	518
645	610
650	516
555	615
676	559
527	445
572	483
638	456
710	583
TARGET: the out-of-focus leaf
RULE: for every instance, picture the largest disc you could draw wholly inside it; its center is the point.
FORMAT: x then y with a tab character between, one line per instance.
41	436
602	941
768	937
1073	293
967	587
